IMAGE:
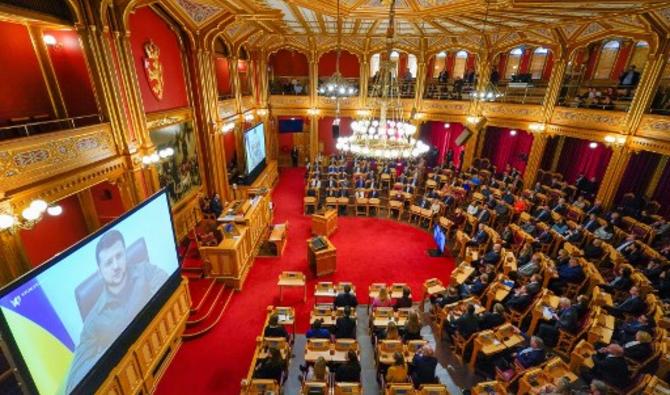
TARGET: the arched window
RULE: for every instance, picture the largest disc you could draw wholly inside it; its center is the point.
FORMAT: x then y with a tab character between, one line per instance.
412	65
513	62
537	63
606	61
374	64
459	64
395	58
439	64
640	55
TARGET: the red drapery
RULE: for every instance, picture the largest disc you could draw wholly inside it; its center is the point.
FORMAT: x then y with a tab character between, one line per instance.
622	59
502	147
524	63
662	193
593	55
548	66
577	157
326	133
638	173
502	64
436	134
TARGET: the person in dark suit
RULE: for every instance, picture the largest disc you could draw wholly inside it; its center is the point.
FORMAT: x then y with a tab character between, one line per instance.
633	254
594	251
423	367
566	318
596	209
629	78
575	235
532	355
572	273
480	237
465	325
345	326
610	366
483	216
591	223
561	207
345	298
316	331
520	299
627	331
492	257
622	282
633	305
271	368
476	287
488	320
350	371
405	301
274	329
639	349
543	214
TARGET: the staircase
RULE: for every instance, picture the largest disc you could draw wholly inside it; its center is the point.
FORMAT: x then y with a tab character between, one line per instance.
207	310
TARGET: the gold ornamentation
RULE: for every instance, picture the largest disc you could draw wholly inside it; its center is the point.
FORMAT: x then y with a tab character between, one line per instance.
611	121
153	68
513	111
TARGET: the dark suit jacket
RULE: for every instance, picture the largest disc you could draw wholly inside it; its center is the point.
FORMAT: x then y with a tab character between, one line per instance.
490	320
345	328
423	369
612	370
560	209
519	302
491	257
593	252
275	331
571	274
466	325
632	305
481	237
483	215
529	357
638	352
568	319
591	226
344	299
347	373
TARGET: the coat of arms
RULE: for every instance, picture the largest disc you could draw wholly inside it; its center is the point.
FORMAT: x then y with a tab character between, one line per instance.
153	68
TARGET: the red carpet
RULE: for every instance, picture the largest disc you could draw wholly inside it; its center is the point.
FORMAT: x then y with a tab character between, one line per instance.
368	250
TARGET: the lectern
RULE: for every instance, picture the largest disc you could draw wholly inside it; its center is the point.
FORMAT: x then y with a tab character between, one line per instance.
321	255
325	223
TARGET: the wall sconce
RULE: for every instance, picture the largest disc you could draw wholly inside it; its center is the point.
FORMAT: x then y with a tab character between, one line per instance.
536	127
313	111
615	140
227	127
473	119
156	157
447	125
419	115
363	113
593	145
29	216
512	132
249	117
262	112
50	40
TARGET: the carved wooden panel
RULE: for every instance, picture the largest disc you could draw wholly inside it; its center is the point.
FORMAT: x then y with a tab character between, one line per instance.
646	144
35	159
227	108
655	127
324	102
248	103
526	112
289	101
611	121
165	118
445	107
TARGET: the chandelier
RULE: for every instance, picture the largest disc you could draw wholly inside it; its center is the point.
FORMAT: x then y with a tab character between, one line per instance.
336	87
389	135
489	92
29	216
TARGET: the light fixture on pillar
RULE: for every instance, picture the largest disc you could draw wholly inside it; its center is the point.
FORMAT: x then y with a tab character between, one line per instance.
249	116
158	156
513	132
30	215
336	87
227	127
536	127
262	112
488	92
390	135
313	112
615	141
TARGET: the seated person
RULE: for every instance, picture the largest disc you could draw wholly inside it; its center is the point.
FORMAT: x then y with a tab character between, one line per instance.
521	297
490	258
319	372
626	331
544	237
530	227
561	207
317	332
480	237
465	325
633	254
623	282
591	223
525	255
575	235
475	287
473	207
560	227
639	349
423	367
610	366
390	333
543	214
346	298
345	326
412	328
405	301
594	251
533	355
350	371
274	329
488	320
451	296
507	237
532	267
397	373
633	305
382	299
271	368
605	232
572	273
566	318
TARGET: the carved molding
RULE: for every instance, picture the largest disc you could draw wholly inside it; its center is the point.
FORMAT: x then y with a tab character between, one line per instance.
324	102
31	160
611	121
226	108
445	107
527	112
646	144
165	118
654	127
247	103
289	101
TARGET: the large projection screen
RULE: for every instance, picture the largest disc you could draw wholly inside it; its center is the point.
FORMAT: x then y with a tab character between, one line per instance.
254	145
70	320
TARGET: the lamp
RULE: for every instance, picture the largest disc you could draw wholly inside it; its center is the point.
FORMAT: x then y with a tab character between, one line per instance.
336	87
30	215
536	127
615	141
49	40
313	111
156	157
489	92
390	135
227	127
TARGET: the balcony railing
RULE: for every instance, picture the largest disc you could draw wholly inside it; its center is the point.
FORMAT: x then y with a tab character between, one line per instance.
22	128
351	82
596	94
451	90
406	89
518	92
292	86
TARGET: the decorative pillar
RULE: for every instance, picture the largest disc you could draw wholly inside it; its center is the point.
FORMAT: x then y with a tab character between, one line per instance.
557	153
554	85
535	158
481	139
471	146
264	90
420	82
656	178
364	78
88	209
615	171
13	260
313	79
237	85
313	137
129	197
48	72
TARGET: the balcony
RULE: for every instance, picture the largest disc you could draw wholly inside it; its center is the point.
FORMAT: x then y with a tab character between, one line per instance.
596	94
522	92
41	124
290	86
405	89
451	90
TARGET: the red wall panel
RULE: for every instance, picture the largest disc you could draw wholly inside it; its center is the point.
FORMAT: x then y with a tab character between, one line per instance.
436	134
229	146
223	83
54	234
289	63
471	62
74	81
504	149
107	200
23	92
326	133
349	66
548	66
524	63
146	25
622	59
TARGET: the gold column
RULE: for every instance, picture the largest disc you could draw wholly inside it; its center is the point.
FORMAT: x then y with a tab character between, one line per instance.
472	145
656	178
535	158
48	72
128	193
557	153
313	137
420	82
13	260
264	89
613	175
481	139
313	79
364	76
88	209
554	85
237	86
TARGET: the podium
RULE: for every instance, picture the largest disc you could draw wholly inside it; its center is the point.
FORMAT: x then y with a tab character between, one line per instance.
324	224
323	261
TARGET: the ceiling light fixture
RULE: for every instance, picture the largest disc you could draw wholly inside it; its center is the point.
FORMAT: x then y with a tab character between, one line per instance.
336	87
30	215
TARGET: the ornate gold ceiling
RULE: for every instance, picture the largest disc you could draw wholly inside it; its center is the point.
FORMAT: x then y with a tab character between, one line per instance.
429	24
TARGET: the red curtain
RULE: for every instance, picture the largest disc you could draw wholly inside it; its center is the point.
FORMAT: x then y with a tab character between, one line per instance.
470	62
622	59
287	63
326	133
524	63
549	150
502	147
662	193
436	134
349	66
638	173
577	157
593	55
502	64
548	66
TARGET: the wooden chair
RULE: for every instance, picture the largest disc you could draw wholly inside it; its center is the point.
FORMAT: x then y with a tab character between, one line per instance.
314	388
348	389
260	387
433	389
399	389
567	340
309	202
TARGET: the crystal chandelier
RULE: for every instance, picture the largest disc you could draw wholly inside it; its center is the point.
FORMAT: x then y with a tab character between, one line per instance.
336	87
389	135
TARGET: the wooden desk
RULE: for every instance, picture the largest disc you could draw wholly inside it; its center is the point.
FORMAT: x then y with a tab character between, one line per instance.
461	273
324	224
292	279
534	379
491	342
581	355
324	261
232	258
488	388
286	316
278	237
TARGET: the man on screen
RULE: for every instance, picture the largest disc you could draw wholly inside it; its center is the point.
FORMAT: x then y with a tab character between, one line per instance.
127	289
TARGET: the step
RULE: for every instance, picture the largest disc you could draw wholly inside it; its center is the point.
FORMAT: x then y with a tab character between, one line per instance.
207	306
212	319
198	296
